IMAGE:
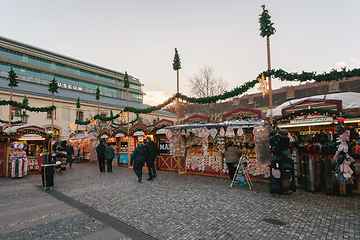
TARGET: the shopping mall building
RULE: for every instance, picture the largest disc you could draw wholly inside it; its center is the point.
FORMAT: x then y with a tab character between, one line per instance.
36	67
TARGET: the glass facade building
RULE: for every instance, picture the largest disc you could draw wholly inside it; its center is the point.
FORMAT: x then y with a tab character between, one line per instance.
42	66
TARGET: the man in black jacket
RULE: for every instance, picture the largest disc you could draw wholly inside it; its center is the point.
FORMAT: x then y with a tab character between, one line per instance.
69	153
100	150
152	151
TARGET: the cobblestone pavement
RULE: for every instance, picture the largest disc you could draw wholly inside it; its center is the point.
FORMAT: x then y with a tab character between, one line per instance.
192	207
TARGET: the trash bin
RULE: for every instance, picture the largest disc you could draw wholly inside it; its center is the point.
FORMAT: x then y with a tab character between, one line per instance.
47	173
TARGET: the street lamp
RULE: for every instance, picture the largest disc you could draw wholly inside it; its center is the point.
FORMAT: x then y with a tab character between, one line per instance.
24	118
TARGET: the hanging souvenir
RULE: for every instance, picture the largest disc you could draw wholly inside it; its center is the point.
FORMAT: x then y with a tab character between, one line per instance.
204	132
187	133
213	132
169	134
183	132
240	131
222	132
229	132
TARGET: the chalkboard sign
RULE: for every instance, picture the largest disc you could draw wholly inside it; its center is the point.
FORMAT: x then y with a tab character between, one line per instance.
164	146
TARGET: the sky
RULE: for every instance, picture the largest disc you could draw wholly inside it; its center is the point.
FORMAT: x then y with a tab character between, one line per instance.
140	37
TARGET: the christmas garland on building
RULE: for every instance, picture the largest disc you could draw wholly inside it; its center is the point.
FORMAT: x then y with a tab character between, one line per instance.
12	123
26	107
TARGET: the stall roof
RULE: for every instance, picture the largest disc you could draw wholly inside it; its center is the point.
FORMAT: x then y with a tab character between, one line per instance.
234	124
28	126
349	100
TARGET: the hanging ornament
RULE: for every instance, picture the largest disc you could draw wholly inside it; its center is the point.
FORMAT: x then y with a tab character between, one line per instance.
229	132
187	133
240	131
213	132
183	132
204	132
169	134
222	132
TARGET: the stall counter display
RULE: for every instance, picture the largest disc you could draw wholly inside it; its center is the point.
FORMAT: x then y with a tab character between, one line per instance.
203	146
18	161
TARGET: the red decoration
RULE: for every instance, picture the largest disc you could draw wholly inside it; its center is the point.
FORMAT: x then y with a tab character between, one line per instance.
305	116
293	116
334	115
319	113
341	119
312	114
301	114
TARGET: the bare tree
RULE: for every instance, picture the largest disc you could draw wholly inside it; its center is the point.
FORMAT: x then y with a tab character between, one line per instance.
206	83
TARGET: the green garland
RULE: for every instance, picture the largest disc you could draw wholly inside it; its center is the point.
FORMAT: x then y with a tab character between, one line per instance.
155	129
311	111
12	123
26	107
106	119
334	75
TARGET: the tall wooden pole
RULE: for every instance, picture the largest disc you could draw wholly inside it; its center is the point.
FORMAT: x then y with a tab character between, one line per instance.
52	117
77	117
98	120
177	100
269	78
128	127
11	90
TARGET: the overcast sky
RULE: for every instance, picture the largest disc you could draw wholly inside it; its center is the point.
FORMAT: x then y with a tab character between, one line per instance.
139	36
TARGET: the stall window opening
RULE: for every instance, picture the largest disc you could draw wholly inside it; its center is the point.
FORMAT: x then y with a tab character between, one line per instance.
15	112
80	115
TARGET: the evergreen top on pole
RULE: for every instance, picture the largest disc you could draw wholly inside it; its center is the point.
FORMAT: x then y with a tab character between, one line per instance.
126	80
53	86
78	103
266	26
12	77
176	61
97	93
25	101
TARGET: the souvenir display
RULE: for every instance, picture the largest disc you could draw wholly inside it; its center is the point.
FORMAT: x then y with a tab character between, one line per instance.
203	146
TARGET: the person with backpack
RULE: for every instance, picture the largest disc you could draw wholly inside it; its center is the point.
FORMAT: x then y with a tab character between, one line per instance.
139	157
109	156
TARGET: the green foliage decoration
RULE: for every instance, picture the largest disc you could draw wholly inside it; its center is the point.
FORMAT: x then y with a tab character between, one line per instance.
26	107
97	93
78	103
126	80
12	77
311	111
266	26
176	61
25	101
53	86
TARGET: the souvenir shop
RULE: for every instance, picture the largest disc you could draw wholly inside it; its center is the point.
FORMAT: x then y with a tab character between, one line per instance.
85	144
3	153
202	145
28	149
316	129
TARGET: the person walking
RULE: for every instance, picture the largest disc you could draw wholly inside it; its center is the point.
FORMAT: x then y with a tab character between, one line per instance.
139	156
69	153
100	151
152	151
232	155
109	156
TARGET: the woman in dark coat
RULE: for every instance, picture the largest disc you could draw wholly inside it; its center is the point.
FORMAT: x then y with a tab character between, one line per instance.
109	156
139	157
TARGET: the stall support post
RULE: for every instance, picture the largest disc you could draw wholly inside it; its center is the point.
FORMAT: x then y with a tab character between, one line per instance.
178	160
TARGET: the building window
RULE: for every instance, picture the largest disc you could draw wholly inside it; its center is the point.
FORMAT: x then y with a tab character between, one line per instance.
81	116
49	114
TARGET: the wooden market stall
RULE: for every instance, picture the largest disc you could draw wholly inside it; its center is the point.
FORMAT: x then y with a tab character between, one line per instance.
313	125
3	153
87	143
28	149
202	145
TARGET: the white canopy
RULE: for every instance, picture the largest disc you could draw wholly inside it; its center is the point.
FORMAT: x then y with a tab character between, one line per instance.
349	100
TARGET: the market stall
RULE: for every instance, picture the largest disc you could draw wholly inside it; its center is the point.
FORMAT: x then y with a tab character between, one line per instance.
315	126
87	142
3	153
28	149
202	145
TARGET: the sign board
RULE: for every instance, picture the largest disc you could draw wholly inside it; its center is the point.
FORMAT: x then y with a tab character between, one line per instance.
312	119
164	146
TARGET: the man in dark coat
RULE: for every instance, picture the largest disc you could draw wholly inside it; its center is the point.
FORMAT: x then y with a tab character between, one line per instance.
152	151
69	153
100	150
